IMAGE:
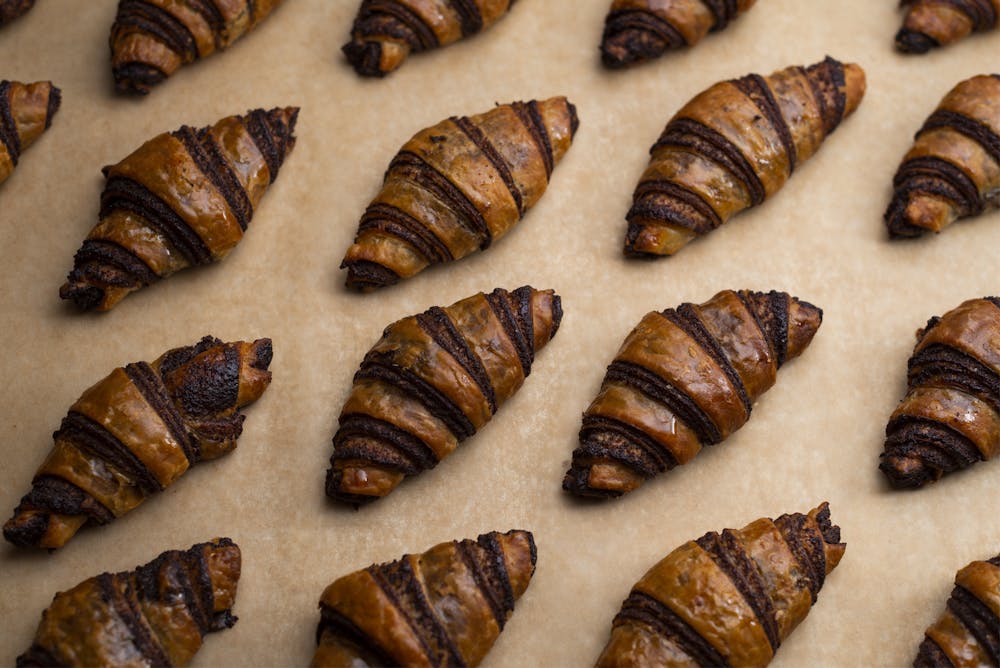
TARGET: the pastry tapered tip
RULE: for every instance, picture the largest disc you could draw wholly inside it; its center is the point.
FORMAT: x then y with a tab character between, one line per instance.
631	46
519	556
914	41
365	275
855	85
136	78
832	545
908	471
375	58
37	527
804	320
223	563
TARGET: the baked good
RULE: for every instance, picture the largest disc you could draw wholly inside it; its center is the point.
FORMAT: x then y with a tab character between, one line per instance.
950	416
135	432
457	187
726	599
445	607
155	615
953	168
184	198
933	23
26	111
151	39
386	31
432	381
639	30
12	9
733	146
685	378
967	634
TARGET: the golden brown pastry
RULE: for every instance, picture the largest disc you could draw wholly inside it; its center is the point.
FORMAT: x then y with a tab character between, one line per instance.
432	381
445	607
967	635
386	31
932	23
950	416
733	146
953	169
26	111
135	432
151	39
685	378
726	599
639	30
184	198
12	9
458	186
155	615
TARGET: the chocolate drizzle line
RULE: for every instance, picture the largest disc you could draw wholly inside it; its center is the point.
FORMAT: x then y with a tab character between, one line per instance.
642	609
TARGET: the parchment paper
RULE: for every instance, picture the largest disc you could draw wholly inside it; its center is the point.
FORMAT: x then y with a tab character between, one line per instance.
815	436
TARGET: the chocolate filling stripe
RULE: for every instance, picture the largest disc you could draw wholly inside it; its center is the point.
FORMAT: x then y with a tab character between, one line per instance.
56	495
682	207
942	366
778	329
151	386
159	23
609	438
930	442
936	176
166	578
501	307
412	167
483	143
124	193
700	139
977	131
337	624
201	146
493	560
438	325
807	549
393	220
755	87
212	16
8	127
469	15
92	438
408	19
129	614
101	252
723	11
930	655
830	90
522	297
52	105
644	609
270	141
354	440
662	391
620	21
532	121
470	556
979	619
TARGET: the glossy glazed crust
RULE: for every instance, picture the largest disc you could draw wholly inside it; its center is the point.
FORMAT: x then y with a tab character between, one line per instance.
458	186
430	382
685	378
135	432
151	39
967	634
950	416
155	615
933	23
184	198
726	599
446	606
733	146
12	9
26	111
639	30
953	169
386	31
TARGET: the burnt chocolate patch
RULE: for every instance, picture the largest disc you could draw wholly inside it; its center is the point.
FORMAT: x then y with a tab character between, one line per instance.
209	383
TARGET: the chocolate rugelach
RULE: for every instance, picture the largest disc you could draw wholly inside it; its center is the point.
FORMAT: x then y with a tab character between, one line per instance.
184	198
432	381
385	32
12	9
26	111
135	432
726	599
950	416
733	146
155	615
457	187
151	39
968	632
932	23
952	170
444	607
639	30
685	378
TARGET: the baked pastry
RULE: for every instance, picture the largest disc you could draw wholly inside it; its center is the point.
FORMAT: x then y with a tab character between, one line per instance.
26	111
458	186
685	378
639	30
12	9
151	39
726	599
432	381
184	198
950	416
733	146
932	23
953	169
135	432
967	633
155	615
445	607
386	31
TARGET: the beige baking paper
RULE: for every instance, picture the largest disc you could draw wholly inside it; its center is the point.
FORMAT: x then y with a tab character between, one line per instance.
815	436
